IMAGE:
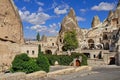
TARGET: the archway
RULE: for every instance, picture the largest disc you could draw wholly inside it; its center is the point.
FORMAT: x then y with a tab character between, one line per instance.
78	63
91	44
112	61
105	37
48	52
106	46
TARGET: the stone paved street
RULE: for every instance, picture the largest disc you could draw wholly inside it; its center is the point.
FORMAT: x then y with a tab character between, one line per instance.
103	73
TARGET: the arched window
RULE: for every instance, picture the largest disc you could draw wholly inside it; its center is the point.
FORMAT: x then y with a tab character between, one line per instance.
27	51
33	52
60	40
91	43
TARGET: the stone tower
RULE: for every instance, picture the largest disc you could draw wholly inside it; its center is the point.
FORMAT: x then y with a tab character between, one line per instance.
11	32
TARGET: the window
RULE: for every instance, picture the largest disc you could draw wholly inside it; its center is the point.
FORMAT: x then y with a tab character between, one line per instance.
27	51
114	37
106	28
60	40
33	52
94	56
105	37
52	44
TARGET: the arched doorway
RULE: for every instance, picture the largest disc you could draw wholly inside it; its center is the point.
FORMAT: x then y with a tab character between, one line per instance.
105	37
106	46
48	52
112	61
78	63
91	44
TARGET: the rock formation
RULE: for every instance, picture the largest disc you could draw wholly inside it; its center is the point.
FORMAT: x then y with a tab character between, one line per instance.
11	33
110	14
10	23
95	21
113	18
69	23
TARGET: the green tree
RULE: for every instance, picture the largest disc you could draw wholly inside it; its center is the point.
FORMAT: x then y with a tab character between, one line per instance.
43	63
70	41
38	37
31	66
39	50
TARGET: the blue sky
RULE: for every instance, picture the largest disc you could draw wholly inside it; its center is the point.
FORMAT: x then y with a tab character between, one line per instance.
45	16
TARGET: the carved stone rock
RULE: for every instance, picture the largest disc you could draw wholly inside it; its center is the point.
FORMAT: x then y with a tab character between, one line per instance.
11	33
95	21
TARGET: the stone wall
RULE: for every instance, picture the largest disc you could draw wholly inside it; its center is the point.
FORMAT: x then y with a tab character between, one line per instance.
23	76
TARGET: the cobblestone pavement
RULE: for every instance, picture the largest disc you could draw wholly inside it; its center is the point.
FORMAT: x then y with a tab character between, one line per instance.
55	68
98	73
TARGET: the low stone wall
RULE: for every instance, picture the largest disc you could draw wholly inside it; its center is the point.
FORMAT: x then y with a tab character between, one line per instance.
36	75
14	76
41	74
23	76
68	71
61	72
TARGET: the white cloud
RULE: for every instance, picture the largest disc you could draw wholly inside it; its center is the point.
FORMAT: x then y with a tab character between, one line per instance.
80	18
40	3
34	18
83	10
104	6
24	8
61	9
52	29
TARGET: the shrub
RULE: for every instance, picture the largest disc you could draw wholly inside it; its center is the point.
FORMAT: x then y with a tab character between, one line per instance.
31	66
22	63
65	59
19	62
43	63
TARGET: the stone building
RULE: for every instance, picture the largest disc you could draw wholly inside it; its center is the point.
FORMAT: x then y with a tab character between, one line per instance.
31	50
101	40
48	45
